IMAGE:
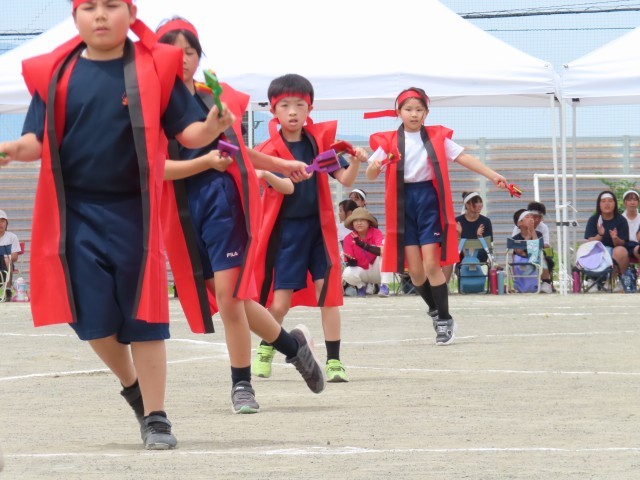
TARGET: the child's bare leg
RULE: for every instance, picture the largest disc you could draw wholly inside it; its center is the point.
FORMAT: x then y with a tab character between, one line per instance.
232	312
150	360
261	322
117	357
431	264
281	304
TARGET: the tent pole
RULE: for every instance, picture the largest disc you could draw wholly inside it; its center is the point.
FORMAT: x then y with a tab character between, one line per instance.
250	126
556	192
565	217
574	197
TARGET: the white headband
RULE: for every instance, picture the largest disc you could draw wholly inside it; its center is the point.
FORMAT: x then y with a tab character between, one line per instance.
466	199
536	212
523	214
628	192
359	192
606	195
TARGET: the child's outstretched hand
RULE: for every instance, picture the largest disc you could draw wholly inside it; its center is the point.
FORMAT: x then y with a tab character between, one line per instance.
500	182
217	124
7	152
296	171
361	155
218	162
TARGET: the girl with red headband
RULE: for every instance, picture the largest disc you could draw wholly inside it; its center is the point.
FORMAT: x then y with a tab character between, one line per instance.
96	227
420	223
218	200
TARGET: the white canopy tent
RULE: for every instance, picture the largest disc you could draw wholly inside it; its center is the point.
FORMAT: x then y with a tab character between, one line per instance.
609	75
351	51
355	53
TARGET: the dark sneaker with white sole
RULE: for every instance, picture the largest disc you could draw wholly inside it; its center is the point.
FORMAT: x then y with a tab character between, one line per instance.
156	432
243	398
445	331
305	360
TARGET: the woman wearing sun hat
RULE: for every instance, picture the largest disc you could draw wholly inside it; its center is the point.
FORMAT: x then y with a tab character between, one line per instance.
362	252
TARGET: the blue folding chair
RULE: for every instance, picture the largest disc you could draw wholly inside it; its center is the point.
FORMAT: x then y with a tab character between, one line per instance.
473	274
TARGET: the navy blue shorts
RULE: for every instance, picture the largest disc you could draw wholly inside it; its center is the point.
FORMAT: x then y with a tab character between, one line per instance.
301	250
421	214
104	253
216	212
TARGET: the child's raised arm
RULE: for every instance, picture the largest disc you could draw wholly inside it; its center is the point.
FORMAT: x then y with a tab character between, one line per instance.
280	185
179	169
346	176
472	163
201	134
26	149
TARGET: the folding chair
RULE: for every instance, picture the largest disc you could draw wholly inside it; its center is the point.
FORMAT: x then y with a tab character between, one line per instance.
472	273
595	266
5	275
524	273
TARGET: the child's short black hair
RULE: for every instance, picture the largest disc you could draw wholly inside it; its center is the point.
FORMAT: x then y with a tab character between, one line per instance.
516	215
170	37
538	207
290	83
348	205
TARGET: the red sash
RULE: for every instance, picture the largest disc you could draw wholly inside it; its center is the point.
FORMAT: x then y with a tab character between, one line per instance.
433	138
322	136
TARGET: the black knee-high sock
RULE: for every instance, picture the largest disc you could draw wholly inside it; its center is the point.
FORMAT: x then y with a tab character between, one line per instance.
441	297
240	374
425	292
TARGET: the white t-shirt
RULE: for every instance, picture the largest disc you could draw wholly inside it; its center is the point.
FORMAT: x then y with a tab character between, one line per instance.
542	228
9	240
416	166
342	231
634	225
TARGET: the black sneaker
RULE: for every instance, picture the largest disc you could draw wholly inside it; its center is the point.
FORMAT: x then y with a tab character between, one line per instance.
156	433
243	398
305	360
133	396
445	331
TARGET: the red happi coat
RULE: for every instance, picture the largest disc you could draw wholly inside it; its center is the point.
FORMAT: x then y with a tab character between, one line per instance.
150	70
198	303
322	135
433	138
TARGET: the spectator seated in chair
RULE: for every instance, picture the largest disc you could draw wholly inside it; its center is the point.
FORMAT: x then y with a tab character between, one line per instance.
471	225
9	249
538	211
525	222
362	252
608	226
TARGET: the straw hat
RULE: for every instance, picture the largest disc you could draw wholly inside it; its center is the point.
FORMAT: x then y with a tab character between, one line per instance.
360	213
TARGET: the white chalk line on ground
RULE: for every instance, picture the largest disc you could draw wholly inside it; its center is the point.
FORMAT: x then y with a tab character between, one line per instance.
321	451
353	367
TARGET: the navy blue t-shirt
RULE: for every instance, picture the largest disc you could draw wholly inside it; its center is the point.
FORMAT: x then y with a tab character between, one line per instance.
97	151
303	202
618	222
470	229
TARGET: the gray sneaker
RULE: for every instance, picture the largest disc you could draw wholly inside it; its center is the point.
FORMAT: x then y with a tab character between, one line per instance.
434	318
305	360
243	398
156	433
445	331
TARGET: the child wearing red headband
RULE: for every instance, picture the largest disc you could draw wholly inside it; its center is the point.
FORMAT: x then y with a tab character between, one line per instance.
99	105
219	223
298	254
420	223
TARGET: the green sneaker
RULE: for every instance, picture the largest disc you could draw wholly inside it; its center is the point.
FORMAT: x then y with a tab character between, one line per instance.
335	372
261	365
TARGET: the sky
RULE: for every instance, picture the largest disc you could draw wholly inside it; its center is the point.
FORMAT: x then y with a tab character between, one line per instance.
557	39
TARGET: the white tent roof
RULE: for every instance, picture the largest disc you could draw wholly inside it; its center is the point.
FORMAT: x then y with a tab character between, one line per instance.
607	76
358	54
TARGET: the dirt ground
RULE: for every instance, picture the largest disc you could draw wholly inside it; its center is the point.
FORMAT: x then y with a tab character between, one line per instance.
536	387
